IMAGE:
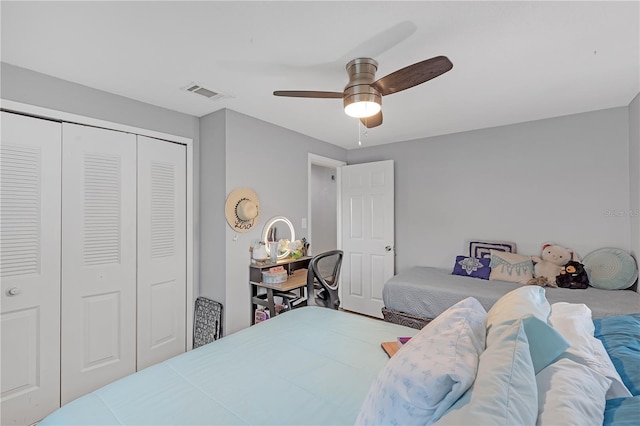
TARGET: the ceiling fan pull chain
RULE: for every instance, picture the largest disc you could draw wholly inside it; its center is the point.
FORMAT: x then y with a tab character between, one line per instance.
359	139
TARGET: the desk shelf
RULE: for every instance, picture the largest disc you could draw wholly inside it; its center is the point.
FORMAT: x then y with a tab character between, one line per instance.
296	281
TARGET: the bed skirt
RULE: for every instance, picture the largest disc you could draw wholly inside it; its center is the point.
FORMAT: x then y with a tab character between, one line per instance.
407	320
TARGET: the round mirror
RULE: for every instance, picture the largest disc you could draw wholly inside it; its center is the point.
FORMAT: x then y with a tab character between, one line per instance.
277	229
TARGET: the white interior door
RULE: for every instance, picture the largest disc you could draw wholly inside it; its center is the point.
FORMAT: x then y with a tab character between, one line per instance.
367	235
30	268
98	258
161	250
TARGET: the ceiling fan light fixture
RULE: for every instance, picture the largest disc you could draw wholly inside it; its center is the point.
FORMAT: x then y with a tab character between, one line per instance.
363	104
362	109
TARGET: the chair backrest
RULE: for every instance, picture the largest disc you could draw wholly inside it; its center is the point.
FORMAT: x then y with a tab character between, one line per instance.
324	273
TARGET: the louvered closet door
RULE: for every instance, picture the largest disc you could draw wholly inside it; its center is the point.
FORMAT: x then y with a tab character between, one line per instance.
30	268
98	258
161	250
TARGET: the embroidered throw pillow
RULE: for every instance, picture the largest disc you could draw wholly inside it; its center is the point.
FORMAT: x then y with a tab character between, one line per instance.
472	267
510	267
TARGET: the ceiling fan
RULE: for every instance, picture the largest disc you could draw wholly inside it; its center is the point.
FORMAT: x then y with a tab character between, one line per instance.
362	96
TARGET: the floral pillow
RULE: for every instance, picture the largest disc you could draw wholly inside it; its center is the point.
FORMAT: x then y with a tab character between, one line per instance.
472	267
511	267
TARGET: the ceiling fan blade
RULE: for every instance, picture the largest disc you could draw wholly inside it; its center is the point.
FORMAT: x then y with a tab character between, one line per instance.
413	75
373	121
308	94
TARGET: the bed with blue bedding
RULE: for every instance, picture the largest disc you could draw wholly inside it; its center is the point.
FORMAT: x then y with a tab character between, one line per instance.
307	366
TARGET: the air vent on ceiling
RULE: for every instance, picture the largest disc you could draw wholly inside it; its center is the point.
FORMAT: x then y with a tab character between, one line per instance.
202	91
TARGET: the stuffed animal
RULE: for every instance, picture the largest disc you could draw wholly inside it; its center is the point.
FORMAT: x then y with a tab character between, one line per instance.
542	282
554	257
573	275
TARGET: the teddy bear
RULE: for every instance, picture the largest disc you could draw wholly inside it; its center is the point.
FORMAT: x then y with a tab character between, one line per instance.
573	275
553	258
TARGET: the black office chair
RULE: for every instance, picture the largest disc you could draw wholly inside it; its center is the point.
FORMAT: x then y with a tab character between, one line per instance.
322	279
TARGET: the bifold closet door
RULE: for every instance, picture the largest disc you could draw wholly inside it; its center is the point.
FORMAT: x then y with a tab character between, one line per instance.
30	268
161	250
98	258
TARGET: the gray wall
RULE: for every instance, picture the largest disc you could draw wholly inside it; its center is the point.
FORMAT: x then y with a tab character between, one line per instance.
30	87
634	174
324	204
272	161
500	183
213	136
558	179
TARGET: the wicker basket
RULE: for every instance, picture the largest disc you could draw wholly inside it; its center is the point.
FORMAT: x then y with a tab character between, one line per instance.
404	319
276	278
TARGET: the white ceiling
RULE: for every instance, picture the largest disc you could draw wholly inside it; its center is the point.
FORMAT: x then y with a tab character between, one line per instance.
513	61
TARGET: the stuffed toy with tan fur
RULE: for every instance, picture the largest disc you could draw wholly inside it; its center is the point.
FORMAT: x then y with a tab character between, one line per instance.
542	282
553	258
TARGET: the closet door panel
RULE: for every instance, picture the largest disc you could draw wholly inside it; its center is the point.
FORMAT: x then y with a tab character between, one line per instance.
29	268
98	258
161	250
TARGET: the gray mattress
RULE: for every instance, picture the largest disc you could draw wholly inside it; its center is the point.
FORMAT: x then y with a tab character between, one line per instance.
427	292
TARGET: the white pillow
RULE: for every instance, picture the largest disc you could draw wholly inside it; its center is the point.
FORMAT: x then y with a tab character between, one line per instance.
431	371
510	267
571	394
516	304
504	392
573	321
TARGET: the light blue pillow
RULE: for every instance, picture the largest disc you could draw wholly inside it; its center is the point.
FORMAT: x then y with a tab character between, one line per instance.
505	391
529	305
546	344
431	371
525	300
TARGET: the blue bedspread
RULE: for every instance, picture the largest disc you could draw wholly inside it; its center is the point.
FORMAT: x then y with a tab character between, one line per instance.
308	366
621	338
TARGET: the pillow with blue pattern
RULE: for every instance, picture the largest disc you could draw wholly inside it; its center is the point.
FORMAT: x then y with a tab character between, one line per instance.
510	267
431	371
472	267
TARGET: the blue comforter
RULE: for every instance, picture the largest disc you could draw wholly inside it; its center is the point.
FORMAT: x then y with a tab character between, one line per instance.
307	366
621	338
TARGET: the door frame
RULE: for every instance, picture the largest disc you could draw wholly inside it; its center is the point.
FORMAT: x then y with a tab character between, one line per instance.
193	264
318	160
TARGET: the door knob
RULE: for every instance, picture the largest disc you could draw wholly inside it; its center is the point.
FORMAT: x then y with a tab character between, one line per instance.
13	291
387	248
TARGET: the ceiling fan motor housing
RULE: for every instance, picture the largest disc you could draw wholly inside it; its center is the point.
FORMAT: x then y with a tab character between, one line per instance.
362	73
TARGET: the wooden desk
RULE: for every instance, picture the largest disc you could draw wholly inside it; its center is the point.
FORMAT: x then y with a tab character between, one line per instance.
297	281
